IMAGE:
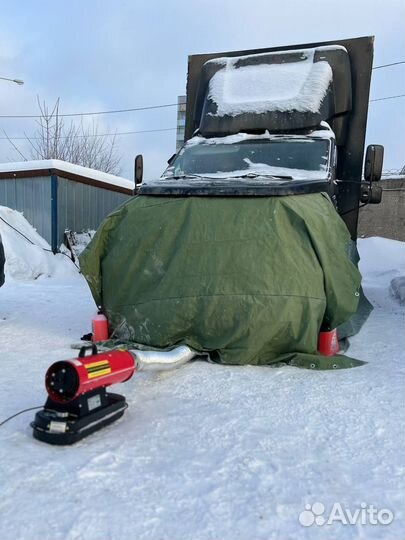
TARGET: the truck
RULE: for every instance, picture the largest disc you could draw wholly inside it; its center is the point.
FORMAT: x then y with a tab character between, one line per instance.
276	122
238	250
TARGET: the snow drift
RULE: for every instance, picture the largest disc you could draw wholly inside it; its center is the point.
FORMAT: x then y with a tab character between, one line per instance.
259	88
28	255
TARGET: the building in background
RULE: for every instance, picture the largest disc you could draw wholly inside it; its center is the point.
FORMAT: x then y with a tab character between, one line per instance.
181	121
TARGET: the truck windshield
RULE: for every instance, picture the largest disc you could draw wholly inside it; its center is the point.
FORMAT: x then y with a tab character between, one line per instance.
292	158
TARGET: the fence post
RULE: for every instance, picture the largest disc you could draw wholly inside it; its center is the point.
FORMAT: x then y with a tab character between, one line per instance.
54	213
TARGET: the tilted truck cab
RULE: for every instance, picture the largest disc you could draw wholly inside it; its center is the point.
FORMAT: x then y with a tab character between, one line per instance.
278	121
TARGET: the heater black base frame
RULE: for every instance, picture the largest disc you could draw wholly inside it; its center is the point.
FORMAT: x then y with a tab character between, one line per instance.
65	424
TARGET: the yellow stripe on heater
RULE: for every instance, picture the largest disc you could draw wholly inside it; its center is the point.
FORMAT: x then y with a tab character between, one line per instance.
99	373
96	364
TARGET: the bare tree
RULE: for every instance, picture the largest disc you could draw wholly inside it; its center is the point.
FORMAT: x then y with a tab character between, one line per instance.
77	143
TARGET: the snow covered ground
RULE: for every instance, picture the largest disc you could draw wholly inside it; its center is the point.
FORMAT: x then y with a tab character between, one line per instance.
208	451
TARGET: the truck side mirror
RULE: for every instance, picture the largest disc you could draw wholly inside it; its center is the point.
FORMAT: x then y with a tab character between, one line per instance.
138	170
373	163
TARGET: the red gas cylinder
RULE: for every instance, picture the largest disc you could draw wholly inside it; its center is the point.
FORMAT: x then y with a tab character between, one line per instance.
100	328
328	343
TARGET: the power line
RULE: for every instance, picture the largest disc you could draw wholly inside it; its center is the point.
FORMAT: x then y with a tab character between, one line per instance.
388	65
388	97
114	111
132	109
19	138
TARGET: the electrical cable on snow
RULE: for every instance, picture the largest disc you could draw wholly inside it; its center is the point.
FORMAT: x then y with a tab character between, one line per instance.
33	243
19	232
20	412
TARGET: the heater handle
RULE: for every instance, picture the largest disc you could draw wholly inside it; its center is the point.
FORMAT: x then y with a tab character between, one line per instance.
93	347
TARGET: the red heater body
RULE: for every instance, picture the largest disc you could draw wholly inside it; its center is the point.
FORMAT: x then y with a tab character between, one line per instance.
68	379
78	402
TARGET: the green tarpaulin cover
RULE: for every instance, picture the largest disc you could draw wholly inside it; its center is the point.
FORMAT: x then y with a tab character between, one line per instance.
250	280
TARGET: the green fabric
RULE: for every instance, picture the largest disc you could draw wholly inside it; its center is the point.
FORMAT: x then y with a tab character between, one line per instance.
250	280
352	326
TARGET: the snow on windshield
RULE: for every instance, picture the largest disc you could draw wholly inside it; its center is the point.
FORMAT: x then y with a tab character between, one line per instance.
252	155
260	88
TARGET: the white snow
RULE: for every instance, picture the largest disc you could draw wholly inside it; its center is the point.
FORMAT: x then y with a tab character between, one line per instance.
208	451
255	168
29	257
259	88
67	167
297	174
79	241
258	168
228	139
324	133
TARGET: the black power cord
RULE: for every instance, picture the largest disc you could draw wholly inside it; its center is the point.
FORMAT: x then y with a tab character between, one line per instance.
50	251
19	232
20	412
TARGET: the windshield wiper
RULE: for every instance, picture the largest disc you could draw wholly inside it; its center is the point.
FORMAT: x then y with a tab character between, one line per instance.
180	176
248	175
265	175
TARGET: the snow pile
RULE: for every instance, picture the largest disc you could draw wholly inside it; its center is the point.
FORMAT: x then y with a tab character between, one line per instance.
28	255
260	88
383	260
323	132
228	139
397	289
297	174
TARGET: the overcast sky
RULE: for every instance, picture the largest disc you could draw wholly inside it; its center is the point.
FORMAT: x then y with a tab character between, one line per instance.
105	54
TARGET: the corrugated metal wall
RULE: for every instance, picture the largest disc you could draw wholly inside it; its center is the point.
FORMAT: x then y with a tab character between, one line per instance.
32	196
82	207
